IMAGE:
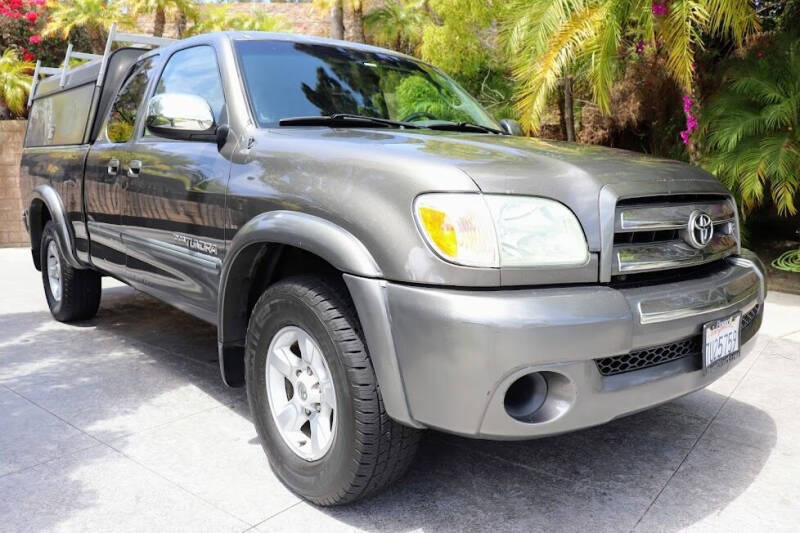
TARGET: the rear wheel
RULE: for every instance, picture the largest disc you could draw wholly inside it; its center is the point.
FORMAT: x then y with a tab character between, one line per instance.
72	294
314	397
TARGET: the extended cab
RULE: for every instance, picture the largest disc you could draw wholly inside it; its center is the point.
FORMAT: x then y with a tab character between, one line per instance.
379	255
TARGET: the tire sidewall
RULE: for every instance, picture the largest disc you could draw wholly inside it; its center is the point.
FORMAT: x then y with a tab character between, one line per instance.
277	309
48	236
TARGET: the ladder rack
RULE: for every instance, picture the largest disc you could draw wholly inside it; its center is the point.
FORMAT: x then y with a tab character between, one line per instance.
113	37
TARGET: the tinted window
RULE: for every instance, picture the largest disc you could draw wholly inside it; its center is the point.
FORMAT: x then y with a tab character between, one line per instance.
60	118
287	79
194	71
124	110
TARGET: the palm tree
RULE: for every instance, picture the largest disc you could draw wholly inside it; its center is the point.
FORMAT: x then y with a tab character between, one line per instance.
183	8
548	39
335	9
358	21
15	82
398	24
91	16
337	19
221	18
753	128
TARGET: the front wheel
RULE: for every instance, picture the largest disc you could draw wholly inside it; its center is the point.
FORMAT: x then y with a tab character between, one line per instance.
72	294
314	397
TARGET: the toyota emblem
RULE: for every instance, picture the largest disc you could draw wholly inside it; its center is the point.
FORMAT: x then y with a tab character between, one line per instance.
700	229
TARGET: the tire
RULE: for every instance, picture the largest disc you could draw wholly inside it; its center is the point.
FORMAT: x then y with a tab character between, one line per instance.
368	451
80	290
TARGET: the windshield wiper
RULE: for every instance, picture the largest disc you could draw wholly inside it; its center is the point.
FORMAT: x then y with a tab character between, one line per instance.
462	126
345	120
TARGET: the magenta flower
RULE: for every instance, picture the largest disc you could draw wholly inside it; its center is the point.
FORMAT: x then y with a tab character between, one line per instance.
659	8
691	120
640	47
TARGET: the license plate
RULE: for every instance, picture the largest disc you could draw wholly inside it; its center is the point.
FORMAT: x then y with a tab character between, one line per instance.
721	341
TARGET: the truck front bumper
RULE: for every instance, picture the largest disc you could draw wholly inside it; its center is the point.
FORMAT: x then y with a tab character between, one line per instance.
446	358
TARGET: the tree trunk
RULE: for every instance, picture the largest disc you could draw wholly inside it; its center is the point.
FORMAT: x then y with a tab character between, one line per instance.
159	22
358	21
569	109
562	124
181	23
337	20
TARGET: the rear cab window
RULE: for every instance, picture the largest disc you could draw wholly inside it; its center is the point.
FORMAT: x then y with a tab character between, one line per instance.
121	122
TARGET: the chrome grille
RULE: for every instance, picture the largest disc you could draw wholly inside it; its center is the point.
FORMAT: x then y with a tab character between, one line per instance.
651	234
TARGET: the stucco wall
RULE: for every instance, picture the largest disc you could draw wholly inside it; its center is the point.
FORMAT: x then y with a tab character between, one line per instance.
12	231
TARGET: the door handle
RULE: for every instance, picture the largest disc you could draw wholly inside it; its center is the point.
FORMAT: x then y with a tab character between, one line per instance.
113	167
134	168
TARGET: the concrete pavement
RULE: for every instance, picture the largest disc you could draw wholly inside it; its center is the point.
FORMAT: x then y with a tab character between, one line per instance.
122	424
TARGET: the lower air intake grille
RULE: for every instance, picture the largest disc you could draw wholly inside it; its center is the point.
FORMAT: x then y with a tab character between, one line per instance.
749	317
656	355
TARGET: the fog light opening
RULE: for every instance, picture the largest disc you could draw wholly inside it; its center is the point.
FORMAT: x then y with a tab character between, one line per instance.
526	396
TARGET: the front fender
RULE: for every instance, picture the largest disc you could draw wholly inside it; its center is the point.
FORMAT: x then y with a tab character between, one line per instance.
310	233
315	235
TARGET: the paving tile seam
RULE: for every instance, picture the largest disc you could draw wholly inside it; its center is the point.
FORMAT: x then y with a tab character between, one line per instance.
700	437
55	458
150	429
273	515
789	334
177	485
67	422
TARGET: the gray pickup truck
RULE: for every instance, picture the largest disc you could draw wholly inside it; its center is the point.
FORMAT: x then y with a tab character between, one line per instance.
379	255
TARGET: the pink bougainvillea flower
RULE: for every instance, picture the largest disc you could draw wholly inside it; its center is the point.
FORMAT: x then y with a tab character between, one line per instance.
691	120
31	16
659	8
35	39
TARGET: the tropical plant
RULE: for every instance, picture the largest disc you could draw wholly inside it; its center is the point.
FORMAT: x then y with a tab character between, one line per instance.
160	8
15	81
753	127
398	24
222	18
549	39
94	17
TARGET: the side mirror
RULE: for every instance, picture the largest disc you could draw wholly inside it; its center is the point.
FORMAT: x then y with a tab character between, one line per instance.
511	127
181	116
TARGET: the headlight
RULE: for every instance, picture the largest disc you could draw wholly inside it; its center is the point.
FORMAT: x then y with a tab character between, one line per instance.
501	230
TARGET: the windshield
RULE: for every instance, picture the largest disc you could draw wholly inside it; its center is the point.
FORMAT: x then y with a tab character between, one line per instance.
288	79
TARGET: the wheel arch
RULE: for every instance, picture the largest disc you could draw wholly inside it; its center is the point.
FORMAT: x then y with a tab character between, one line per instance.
255	255
46	206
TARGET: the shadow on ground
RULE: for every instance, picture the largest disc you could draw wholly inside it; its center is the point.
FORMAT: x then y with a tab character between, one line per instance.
139	362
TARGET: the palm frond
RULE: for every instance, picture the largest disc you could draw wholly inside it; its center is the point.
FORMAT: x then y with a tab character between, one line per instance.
540	77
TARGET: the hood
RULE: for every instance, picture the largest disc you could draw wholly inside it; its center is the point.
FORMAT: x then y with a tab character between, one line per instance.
575	175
